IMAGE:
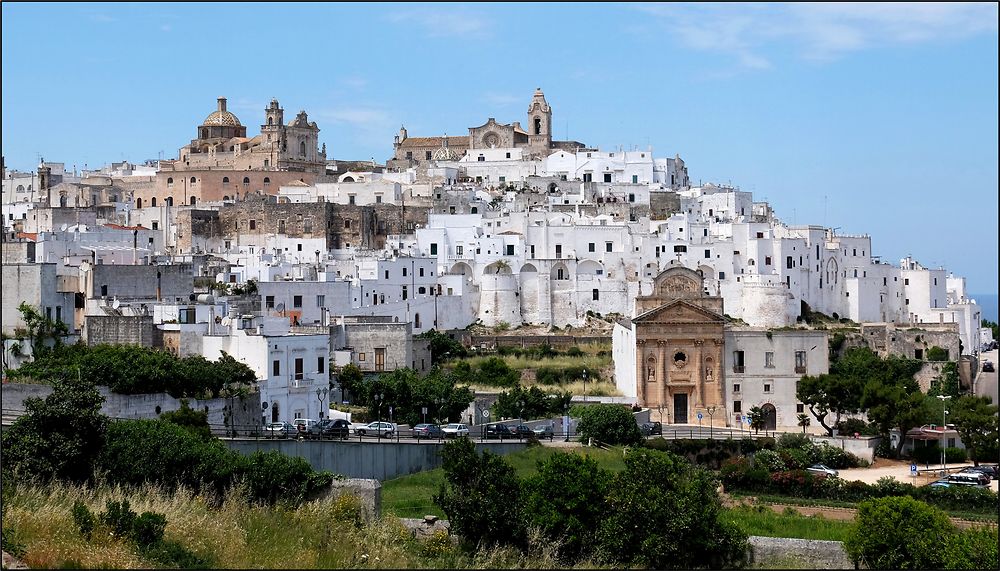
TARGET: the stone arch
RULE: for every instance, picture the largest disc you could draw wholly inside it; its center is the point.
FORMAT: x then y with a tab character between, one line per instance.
138	203
462	269
170	181
528	281
560	272
274	412
225	181
831	272
194	180
538	125
170	201
678	282
193	200
528	268
498	267
650	368
225	197
589	268
302	148
152	202
62	200
553	187
348	179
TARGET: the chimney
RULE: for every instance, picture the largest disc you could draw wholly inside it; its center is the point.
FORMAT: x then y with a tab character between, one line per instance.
222	104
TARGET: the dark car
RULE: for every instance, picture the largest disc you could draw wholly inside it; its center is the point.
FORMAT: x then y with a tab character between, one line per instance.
988	367
989	470
329	428
500	431
427	431
522	431
983	477
651	428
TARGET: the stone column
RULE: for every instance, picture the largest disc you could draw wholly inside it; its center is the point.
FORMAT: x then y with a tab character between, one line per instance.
640	376
664	372
699	378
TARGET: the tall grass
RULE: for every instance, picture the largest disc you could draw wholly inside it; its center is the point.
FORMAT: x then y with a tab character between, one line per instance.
762	520
592	362
321	534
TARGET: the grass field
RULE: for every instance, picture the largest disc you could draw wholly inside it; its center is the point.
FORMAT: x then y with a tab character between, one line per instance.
602	365
791	500
761	520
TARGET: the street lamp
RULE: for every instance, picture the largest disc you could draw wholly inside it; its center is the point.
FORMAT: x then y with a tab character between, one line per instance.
944	428
585	385
440	405
321	394
566	421
711	422
378	412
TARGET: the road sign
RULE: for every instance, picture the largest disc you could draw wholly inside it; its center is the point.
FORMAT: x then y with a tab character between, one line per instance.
423	410
390	410
746	419
486	414
700	416
913	470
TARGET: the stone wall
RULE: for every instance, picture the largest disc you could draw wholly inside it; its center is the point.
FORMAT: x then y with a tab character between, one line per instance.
174	282
787	553
663	203
122	330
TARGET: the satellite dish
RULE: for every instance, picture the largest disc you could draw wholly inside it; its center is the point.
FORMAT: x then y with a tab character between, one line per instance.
227	320
116	304
280	307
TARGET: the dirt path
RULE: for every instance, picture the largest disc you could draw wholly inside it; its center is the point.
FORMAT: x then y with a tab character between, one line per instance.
831	513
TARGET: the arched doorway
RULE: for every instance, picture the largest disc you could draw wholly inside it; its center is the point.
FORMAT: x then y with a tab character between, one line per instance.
274	412
770	417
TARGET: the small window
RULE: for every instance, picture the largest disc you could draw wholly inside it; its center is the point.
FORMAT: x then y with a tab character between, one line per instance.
320	365
596	294
297	301
737	406
246	183
320	300
680	248
767	260
361	356
800	408
510	249
347	224
767	388
269	302
708	254
253	224
421	272
276	367
608	246
736	387
722	275
590	247
434	249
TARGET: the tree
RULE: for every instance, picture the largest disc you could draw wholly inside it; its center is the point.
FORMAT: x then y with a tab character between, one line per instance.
351	381
901	406
663	513
537	403
757	420
830	394
899	533
195	421
610	424
443	347
803	421
946	383
58	437
495	372
40	329
565	500
482	496
977	423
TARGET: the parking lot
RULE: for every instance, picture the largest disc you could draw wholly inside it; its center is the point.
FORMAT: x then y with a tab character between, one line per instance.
899	470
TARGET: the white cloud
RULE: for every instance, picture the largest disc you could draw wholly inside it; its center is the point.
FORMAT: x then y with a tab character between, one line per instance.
817	31
450	22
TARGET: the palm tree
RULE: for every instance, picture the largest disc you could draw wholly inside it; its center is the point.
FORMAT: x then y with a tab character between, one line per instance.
756	416
803	421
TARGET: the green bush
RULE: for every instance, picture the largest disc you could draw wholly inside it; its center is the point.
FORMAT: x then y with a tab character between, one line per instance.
837	458
549	375
795	458
955	455
936	353
899	533
769	460
793	440
148	528
575	351
84	519
974	548
610	424
118	517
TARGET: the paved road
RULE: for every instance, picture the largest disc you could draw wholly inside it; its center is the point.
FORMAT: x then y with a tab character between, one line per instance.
986	383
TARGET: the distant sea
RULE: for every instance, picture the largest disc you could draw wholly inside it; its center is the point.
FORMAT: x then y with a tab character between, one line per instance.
988	303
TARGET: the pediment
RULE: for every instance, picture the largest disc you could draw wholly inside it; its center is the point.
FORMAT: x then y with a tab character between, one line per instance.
679	311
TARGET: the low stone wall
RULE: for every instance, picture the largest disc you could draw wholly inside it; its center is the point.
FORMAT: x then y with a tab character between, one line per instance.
782	552
863	447
368	492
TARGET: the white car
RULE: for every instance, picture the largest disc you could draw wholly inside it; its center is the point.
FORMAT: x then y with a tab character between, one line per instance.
302	425
386	429
455	429
822	469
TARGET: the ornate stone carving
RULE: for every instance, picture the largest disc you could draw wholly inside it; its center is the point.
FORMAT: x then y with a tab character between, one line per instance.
677	285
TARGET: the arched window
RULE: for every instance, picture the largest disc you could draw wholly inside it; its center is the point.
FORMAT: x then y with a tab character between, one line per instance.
302	148
170	181
274	412
267	182
226	197
62	201
246	183
170	201
152	202
538	125
270	120
225	182
192	201
475	210
138	203
204	133
416	320
193	180
20	188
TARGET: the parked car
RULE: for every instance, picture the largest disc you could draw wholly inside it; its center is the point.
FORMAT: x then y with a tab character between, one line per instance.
544	431
455	429
651	428
969	479
329	428
942	483
522	431
279	430
500	431
386	429
302	425
989	470
824	470
988	366
427	431
984	478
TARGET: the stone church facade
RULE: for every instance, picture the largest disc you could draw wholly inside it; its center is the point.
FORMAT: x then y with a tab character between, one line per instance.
672	352
536	140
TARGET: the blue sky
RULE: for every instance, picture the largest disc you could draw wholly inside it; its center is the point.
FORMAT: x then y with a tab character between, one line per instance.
879	119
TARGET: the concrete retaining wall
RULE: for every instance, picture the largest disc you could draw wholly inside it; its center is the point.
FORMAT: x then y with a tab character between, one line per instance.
863	447
781	552
381	461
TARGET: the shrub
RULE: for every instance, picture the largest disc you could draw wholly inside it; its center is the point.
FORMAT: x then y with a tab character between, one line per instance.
173	554
575	351
898	533
926	455
936	353
795	458
974	548
955	455
119	517
565	501
837	458
851	426
610	424
740	475
83	518
888	486
793	440
482	497
148	528
769	460
548	375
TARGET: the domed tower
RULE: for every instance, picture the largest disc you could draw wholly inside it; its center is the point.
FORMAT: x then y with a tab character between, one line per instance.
539	122
220	125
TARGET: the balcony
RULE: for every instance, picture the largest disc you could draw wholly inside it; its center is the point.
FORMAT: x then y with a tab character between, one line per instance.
739	369
800	369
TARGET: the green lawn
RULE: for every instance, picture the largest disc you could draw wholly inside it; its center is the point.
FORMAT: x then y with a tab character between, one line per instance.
762	521
410	496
